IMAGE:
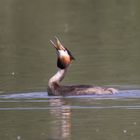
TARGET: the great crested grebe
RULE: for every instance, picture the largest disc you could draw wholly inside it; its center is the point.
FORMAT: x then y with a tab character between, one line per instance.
63	61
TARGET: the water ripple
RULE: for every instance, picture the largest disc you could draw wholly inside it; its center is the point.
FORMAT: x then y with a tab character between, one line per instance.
44	95
72	107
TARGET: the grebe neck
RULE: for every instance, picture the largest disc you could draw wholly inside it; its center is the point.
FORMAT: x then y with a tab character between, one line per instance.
55	80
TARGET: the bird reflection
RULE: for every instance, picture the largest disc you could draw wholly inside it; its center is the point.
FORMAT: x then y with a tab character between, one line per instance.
61	119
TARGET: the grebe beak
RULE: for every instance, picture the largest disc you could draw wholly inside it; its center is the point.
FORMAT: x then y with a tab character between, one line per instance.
58	46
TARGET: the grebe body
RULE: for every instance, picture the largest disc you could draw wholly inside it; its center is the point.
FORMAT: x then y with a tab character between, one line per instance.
64	59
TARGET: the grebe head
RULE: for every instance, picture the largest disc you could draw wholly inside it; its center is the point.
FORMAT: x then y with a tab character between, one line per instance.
64	55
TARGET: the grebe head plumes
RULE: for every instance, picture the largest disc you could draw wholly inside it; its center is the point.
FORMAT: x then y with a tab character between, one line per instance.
64	55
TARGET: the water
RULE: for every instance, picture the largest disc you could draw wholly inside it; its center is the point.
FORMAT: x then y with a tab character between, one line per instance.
37	116
104	38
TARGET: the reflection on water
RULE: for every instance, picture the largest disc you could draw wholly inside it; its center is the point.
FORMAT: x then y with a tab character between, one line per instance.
61	115
71	118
